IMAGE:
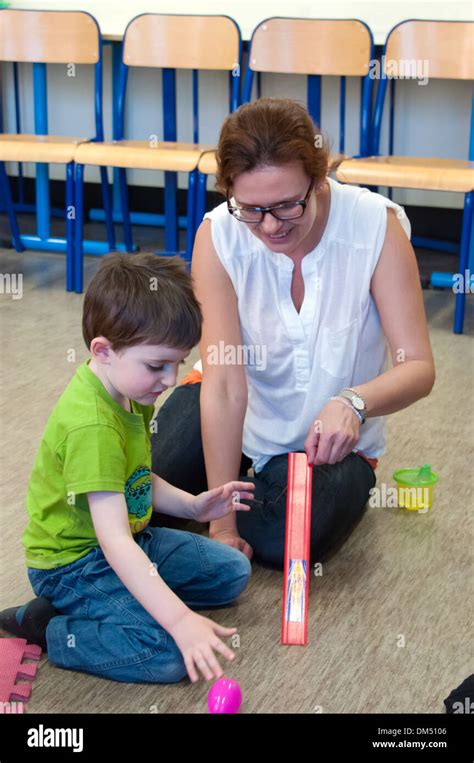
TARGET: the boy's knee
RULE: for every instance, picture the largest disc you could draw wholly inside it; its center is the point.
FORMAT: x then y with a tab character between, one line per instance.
172	673
166	668
236	573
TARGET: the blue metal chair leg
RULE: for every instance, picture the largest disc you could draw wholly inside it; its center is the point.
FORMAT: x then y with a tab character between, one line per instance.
200	200
463	263
78	267
127	226
107	203
6	193
171	213
70	226
190	229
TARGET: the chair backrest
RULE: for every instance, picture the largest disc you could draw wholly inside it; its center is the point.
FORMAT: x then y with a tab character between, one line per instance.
447	46
419	49
49	37
316	47
171	42
52	37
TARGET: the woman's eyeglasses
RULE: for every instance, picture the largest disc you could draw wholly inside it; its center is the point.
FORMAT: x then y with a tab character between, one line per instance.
288	210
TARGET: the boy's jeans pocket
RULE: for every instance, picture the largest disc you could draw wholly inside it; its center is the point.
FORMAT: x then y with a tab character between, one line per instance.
45	582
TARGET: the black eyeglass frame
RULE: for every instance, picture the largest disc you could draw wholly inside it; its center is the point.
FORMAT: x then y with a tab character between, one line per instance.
263	210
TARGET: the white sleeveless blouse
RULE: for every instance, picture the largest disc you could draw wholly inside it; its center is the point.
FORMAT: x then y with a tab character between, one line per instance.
296	361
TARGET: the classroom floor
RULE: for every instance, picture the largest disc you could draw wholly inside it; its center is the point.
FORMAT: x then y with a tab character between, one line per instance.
390	619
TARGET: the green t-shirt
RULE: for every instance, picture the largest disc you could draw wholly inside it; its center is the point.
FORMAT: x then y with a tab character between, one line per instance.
90	443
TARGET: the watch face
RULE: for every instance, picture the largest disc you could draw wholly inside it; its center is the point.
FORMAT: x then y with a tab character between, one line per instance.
358	403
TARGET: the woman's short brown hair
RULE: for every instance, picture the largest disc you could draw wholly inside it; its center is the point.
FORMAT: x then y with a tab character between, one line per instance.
269	131
142	299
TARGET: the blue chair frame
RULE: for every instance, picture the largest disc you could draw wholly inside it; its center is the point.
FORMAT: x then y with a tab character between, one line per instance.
466	249
313	96
43	241
20	205
171	221
314	109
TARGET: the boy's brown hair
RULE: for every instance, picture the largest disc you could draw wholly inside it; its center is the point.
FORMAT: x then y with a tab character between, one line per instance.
142	299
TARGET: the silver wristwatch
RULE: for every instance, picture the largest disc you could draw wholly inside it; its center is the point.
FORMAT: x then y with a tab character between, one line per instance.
357	402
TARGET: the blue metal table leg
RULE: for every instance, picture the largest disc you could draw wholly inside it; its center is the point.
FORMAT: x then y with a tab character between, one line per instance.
171	217
466	239
8	201
116	62
42	170
79	230
200	199
127	228
191	215
171	178
16	88
70	218
107	208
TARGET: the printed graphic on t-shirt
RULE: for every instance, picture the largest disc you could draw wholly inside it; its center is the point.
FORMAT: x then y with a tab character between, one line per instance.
138	495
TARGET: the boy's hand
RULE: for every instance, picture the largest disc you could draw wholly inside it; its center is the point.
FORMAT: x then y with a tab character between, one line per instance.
197	638
216	503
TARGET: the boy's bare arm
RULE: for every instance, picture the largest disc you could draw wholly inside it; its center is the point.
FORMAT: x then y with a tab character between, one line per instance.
129	561
205	507
168	499
197	637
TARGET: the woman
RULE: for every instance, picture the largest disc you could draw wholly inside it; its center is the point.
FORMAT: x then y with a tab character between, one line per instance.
303	282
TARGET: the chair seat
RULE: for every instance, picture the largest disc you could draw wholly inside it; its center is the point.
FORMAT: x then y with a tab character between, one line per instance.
139	154
53	149
409	172
208	165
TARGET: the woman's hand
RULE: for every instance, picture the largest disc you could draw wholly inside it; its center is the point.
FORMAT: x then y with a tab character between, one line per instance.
197	638
333	435
231	538
216	503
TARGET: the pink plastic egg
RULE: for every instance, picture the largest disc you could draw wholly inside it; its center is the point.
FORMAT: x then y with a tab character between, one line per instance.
225	696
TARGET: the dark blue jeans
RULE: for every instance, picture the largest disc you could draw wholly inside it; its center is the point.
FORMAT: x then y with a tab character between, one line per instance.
340	491
102	629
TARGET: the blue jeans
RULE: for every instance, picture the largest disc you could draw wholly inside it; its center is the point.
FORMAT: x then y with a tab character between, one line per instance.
340	491
102	629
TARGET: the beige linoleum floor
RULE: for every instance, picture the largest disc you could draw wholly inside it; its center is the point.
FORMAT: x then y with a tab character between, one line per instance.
399	575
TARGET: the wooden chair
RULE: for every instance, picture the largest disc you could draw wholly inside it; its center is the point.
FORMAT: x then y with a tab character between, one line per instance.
447	46
310	47
168	42
40	38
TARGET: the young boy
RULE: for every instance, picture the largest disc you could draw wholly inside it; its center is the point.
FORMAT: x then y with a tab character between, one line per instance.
115	597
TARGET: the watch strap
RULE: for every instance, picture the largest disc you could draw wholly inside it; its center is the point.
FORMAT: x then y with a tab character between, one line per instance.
349	405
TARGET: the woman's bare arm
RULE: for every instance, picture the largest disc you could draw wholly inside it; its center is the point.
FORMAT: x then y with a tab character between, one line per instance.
224	387
397	293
